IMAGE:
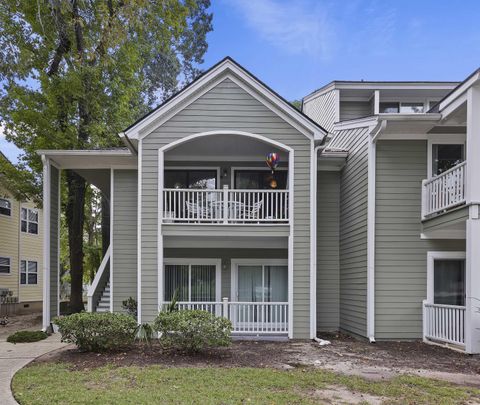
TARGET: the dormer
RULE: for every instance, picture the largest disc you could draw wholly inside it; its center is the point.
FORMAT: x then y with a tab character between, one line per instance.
347	100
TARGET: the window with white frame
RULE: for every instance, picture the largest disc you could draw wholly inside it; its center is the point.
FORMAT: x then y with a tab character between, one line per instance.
5	265
29	220
401	107
190	282
446	278
28	272
5	207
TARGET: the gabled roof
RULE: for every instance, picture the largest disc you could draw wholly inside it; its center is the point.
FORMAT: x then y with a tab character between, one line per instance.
227	66
459	90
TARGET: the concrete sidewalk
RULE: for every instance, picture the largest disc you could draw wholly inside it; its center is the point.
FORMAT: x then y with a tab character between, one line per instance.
15	356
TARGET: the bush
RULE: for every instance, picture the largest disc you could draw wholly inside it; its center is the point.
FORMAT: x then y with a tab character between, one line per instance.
130	305
26	336
97	332
192	330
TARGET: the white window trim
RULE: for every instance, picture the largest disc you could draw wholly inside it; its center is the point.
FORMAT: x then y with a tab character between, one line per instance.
188	261
259	168
11	207
10	266
443	139
28	221
250	262
199	168
431	257
26	272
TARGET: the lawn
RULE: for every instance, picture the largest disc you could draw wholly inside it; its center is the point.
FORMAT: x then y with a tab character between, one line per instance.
53	383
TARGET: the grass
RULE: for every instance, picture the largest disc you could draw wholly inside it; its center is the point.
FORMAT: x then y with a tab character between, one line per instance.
27	336
56	383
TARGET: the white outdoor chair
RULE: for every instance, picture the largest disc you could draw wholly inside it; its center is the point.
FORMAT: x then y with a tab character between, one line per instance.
195	211
252	211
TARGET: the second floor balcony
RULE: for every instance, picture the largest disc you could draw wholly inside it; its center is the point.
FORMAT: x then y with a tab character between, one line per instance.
444	192
225	206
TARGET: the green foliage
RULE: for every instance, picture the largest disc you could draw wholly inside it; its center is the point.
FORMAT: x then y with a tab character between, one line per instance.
192	330
172	306
27	336
297	104
130	305
144	333
97	332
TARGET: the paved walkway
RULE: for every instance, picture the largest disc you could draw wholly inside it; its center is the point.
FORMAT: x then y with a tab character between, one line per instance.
14	357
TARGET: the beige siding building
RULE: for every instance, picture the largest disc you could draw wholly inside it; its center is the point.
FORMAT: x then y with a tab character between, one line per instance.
21	251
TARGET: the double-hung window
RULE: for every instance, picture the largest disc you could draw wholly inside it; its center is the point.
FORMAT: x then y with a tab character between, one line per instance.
28	272
29	219
5	207
194	281
5	265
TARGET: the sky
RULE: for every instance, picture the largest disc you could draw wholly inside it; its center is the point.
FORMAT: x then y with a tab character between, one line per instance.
297	46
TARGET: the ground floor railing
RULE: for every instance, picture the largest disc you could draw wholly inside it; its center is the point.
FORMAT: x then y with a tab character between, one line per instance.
444	323
246	317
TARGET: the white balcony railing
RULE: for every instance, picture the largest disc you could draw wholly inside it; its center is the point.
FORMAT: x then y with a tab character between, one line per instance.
445	191
444	323
225	206
249	318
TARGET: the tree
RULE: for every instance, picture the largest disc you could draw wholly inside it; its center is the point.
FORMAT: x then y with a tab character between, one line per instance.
297	104
76	72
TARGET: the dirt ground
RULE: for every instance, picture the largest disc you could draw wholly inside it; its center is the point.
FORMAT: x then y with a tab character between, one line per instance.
345	355
21	322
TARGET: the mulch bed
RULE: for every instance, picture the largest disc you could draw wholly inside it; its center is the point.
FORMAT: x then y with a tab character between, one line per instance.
288	354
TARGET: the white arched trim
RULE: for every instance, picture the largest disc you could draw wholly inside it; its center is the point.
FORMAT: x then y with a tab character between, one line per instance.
291	166
261	138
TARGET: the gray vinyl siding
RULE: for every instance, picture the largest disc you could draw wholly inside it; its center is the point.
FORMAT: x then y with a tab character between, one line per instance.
228	107
445	220
226	256
54	247
355	109
401	256
124	241
322	109
353	230
328	252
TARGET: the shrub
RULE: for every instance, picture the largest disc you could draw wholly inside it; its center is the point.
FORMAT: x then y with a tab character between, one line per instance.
130	305
97	332
26	336
192	330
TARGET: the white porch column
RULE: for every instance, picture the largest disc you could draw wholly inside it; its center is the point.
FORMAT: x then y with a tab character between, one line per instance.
472	302
51	242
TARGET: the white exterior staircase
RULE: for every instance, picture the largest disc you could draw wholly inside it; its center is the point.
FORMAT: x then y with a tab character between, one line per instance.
104	303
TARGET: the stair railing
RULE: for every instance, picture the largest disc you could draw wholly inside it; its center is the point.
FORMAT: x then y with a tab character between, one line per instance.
99	282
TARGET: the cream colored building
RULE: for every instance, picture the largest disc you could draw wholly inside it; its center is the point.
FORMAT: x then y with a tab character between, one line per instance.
21	251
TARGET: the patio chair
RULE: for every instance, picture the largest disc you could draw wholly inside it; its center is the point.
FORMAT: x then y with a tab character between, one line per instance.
252	211
195	211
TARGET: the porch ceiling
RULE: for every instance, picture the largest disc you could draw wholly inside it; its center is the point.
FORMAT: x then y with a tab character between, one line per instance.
91	159
223	148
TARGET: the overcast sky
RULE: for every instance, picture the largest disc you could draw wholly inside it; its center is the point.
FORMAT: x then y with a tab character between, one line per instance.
296	46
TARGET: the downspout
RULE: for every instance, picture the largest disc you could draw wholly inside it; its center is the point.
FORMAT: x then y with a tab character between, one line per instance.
371	211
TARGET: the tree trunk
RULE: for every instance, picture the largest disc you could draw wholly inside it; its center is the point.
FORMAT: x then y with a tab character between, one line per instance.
75	219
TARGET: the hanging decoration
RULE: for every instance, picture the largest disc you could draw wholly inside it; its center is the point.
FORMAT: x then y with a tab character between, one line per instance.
272	161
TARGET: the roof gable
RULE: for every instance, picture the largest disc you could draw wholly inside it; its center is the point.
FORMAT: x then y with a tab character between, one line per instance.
227	68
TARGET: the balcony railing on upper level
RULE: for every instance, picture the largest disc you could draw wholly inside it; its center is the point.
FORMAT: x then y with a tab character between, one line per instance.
225	206
444	192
